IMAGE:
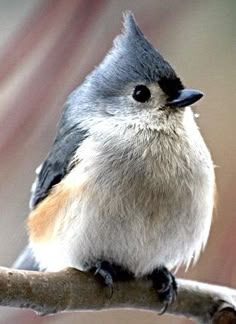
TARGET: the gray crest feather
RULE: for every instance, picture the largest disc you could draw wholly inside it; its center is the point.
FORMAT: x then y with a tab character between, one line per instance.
133	59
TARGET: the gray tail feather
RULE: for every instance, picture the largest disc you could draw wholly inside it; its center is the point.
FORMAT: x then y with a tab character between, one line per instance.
26	260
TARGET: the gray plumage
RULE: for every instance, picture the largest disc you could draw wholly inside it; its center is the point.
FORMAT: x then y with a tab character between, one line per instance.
146	174
26	260
132	60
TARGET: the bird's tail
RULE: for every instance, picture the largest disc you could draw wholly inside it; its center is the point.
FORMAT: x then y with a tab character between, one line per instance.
26	260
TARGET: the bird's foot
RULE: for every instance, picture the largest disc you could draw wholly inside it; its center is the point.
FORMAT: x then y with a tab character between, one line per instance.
165	285
107	273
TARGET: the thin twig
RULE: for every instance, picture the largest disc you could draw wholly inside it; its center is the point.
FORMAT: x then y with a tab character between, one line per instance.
72	290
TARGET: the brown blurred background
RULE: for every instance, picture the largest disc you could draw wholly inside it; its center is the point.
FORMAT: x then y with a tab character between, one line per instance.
46	49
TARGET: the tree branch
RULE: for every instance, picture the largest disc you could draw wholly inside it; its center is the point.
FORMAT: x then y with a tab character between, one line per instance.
72	290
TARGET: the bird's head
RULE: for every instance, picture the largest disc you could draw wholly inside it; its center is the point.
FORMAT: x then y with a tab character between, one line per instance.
134	80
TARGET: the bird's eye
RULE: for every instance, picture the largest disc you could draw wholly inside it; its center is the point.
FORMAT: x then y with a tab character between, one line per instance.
141	93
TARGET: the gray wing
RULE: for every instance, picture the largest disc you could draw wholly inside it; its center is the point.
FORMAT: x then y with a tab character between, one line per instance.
55	167
69	137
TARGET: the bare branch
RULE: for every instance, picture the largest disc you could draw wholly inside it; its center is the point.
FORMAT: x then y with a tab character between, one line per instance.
72	290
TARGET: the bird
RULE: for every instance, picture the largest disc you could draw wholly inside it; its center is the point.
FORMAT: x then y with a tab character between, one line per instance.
127	190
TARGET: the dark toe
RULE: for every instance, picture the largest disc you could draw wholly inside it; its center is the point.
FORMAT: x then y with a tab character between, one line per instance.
105	274
165	285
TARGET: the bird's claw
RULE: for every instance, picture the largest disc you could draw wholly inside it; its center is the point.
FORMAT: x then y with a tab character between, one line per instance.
104	271
166	287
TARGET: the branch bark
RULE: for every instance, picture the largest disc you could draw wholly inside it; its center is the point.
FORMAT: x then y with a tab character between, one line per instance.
72	290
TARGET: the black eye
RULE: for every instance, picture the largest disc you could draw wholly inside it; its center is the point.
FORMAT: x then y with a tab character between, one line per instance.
141	93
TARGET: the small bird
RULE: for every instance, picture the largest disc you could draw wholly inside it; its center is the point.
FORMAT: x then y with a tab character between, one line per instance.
129	183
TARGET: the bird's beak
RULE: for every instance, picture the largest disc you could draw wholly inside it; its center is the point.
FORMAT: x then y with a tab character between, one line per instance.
185	98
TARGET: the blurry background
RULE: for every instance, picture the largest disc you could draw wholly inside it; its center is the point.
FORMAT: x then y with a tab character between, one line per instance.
47	48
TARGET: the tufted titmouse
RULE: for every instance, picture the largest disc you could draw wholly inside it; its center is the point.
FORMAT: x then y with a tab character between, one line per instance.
128	185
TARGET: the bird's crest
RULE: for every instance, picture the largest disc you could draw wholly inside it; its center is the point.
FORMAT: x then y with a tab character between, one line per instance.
133	59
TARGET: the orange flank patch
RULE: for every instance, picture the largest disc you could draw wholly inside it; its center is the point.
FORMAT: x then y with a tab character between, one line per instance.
48	216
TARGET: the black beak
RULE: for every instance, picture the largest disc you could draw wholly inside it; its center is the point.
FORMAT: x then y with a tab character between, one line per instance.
185	98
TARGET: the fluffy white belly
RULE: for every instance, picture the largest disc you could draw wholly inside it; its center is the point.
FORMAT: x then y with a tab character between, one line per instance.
139	233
